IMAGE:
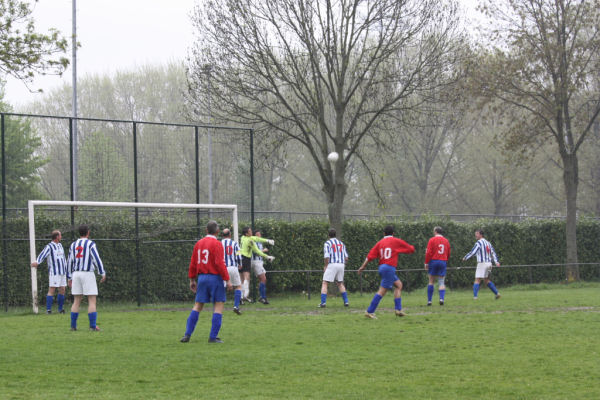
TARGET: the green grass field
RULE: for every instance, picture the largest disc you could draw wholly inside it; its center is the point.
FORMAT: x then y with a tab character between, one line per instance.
536	342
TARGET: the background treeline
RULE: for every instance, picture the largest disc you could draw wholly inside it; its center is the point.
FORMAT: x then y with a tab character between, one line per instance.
448	162
166	242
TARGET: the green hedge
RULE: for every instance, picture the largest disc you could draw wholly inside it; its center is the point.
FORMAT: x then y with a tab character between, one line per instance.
166	242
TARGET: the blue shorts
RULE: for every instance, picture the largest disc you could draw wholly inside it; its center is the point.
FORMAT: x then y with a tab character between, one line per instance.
210	289
437	268
388	276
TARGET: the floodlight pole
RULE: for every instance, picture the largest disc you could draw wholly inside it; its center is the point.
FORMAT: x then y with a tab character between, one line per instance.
137	218
252	178
74	120
208	72
4	250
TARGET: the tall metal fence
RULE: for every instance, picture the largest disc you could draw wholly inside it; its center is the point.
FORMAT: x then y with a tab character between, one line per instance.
116	160
135	161
66	158
292	216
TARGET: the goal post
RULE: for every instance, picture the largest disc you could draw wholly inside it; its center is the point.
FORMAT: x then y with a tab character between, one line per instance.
31	204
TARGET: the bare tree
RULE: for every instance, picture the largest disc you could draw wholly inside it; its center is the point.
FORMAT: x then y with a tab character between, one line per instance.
324	73
545	53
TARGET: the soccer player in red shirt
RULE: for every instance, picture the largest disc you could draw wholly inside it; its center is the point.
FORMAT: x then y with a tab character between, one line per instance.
208	267
436	260
387	250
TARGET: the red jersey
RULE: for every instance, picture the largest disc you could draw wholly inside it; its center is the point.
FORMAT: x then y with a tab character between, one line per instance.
438	248
208	258
387	250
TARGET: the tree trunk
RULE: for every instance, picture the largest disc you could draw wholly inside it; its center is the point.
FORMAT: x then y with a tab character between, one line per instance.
571	181
335	197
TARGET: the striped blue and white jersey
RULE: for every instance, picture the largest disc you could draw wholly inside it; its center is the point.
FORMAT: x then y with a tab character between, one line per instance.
255	256
335	250
484	251
231	249
83	256
55	254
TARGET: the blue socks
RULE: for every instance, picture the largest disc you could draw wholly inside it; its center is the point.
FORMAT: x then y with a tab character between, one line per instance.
74	316
237	296
374	303
60	298
191	323
490	285
442	294
398	303
262	288
429	293
193	320
92	317
216	325
61	301
324	298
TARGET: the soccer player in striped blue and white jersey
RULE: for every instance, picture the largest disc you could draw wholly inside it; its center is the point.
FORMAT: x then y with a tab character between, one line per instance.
82	262
233	261
54	253
335	257
485	253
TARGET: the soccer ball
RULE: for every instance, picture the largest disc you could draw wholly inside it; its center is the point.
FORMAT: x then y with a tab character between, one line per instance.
333	156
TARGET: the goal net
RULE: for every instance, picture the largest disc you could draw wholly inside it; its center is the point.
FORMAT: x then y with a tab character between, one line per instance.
145	247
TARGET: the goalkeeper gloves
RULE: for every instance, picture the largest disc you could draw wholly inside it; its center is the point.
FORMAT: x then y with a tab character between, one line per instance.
271	242
270	258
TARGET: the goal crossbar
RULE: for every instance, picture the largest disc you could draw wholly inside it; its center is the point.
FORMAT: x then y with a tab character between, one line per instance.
31	204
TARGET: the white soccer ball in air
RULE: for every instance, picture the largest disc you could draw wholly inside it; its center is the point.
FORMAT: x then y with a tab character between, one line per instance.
333	156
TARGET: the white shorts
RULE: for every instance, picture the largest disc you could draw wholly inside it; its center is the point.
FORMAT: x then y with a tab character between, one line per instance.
84	283
484	270
57	280
234	276
257	267
334	272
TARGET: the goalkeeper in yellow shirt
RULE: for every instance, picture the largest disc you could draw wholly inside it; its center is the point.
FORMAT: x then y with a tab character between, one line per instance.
248	248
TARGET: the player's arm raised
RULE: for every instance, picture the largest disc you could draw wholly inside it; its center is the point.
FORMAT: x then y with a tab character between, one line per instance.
256	250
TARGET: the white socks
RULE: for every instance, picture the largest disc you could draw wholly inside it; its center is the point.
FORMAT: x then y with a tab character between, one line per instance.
246	289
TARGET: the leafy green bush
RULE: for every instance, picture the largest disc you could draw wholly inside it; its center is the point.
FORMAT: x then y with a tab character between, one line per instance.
166	240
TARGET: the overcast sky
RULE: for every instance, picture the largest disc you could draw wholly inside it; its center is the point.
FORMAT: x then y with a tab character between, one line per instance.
115	35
